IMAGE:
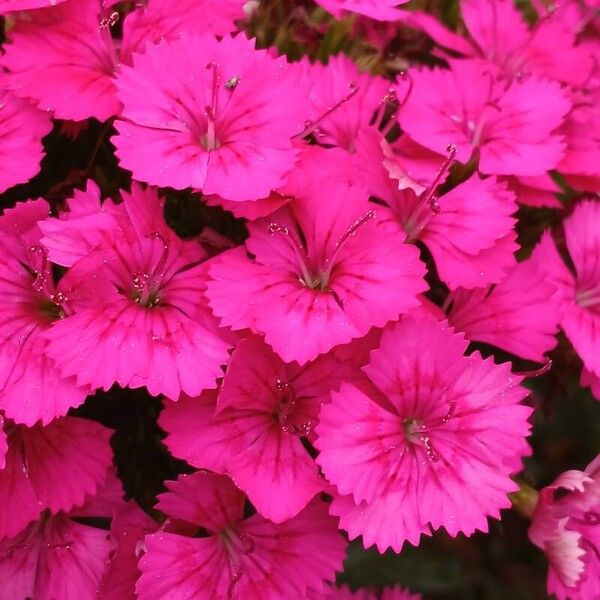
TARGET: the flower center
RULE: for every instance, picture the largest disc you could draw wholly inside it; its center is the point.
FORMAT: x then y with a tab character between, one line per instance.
287	412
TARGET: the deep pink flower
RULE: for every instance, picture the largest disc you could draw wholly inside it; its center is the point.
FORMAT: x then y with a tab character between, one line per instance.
342	101
57	557
423	450
322	271
537	191
139	314
22	127
471	108
381	10
566	526
263	411
32	387
519	314
165	20
213	115
578	292
15	5
64	59
249	559
500	35
469	230
50	468
589	379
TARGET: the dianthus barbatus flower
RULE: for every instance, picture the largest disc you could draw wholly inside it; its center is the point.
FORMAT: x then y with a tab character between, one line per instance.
381	10
263	411
423	450
566	526
50	468
60	54
468	230
317	273
342	101
578	292
57	557
22	127
520	314
139	314
32	387
213	115
471	108
245	559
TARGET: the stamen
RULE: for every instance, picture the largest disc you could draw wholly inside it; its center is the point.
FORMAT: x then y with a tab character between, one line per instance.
588	298
351	231
299	251
109	21
311	126
210	139
538	372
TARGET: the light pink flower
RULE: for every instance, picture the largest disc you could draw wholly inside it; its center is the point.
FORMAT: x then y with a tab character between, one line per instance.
50	468
321	271
519	314
263	411
471	108
249	559
566	526
468	230
22	127
213	115
578	292
57	557
139	314
422	450
381	10
63	58
32	387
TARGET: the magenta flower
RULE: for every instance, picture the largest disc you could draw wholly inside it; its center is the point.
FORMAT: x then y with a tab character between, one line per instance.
74	452
422	450
565	526
138	311
22	127
578	291
32	387
251	558
254	431
58	557
63	53
221	121
319	272
511	127
469	230
519	314
381	10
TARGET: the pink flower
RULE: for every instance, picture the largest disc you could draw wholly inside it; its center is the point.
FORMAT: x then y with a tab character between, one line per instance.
252	558
321	271
381	10
32	387
589	379
468	230
139	315
565	526
50	468
15	5
578	292
58	557
264	411
22	128
213	115
469	107
519	314
537	191
422	449
501	36
342	101
63	58
165	20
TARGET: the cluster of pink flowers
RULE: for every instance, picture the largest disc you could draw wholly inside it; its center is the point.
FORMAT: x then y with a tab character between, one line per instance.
319	376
